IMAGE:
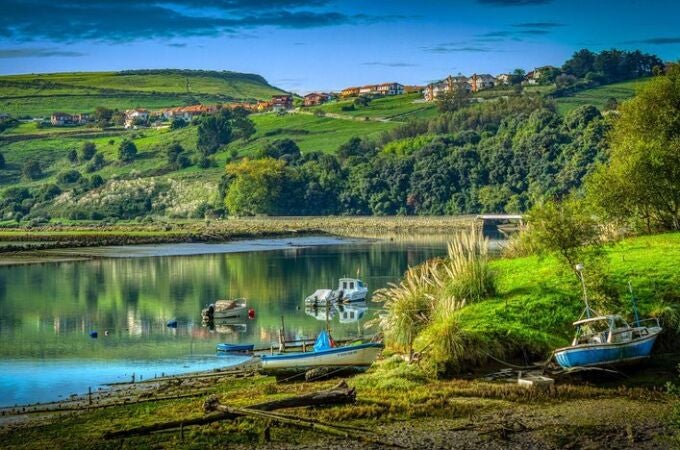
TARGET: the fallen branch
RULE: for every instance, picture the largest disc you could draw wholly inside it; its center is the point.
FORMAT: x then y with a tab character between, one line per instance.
340	394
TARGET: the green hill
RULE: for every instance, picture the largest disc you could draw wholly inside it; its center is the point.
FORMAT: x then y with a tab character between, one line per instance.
42	94
598	96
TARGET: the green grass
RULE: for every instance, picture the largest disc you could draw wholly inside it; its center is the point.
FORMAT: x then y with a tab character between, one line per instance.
397	108
311	133
598	96
537	299
43	94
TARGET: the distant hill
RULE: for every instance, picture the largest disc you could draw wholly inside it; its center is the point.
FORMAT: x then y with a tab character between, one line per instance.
42	94
598	96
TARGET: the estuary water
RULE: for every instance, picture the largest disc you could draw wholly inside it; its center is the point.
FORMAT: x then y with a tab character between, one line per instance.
128	294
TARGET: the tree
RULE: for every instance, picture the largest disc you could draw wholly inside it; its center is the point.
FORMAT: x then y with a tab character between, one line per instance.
127	151
72	156
96	163
88	150
31	170
641	181
245	128
580	63
255	187
567	229
214	131
68	177
102	116
457	98
96	181
178	123
285	149
611	104
517	76
177	159
2	162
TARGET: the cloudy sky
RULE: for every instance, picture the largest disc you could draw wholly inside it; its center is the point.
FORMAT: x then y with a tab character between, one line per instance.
305	45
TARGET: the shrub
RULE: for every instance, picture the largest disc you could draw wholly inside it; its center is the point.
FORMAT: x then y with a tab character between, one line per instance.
2	162
96	181
72	156
176	124
127	151
31	170
68	177
88	150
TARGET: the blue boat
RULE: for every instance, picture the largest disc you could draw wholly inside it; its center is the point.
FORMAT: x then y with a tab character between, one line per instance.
235	348
608	340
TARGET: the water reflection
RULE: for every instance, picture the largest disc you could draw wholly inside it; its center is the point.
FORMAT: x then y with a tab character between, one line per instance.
47	310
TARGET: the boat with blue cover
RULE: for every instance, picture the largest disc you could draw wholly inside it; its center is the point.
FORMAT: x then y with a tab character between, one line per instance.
235	348
606	340
325	354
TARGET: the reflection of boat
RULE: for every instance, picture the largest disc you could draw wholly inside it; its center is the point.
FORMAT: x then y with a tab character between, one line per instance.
608	340
235	348
323	355
225	326
319	312
226	309
349	290
350	313
321	297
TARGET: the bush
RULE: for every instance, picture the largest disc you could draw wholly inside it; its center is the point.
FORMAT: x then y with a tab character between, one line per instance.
72	156
204	162
2	162
31	170
96	181
68	177
88	150
127	151
176	124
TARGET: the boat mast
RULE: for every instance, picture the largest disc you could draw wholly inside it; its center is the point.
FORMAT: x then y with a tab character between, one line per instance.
579	270
635	310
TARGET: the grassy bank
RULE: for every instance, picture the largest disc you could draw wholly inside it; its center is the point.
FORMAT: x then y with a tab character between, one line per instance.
537	299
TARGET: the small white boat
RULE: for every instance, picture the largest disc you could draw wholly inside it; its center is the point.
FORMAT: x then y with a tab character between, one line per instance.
226	309
324	355
321	297
351	290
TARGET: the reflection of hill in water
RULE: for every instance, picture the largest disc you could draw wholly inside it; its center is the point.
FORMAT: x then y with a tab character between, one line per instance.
47	309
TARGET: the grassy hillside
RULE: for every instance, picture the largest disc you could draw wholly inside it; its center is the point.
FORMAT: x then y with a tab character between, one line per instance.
598	96
397	108
42	94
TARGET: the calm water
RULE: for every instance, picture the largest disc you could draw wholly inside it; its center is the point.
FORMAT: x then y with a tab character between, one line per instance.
47	310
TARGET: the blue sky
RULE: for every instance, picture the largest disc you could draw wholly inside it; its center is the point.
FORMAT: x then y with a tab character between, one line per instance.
305	45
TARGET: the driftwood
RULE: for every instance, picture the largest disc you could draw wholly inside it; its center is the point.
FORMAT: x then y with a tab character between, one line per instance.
340	394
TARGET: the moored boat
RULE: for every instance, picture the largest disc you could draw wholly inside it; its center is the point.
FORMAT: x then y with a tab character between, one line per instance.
324	355
349	290
235	348
226	309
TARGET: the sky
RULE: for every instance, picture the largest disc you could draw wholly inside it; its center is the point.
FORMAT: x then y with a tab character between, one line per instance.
308	45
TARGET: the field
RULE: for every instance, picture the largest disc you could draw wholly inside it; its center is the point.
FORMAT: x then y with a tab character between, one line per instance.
396	108
598	96
41	95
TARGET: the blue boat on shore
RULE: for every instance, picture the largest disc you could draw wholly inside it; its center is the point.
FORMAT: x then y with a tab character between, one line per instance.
235	348
608	340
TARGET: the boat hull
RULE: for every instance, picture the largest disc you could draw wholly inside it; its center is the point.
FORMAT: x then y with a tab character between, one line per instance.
590	355
350	356
235	348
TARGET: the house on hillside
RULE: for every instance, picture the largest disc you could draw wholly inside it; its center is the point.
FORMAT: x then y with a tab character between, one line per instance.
503	79
481	82
350	92
188	113
449	84
534	77
390	89
59	119
368	89
4	116
282	102
135	116
83	118
316	98
414	89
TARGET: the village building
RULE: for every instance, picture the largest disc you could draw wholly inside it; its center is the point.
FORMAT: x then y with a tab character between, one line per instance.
4	116
368	89
503	79
534	77
481	82
414	89
350	92
390	89
449	84
316	98
135	116
282	102
187	113
59	119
